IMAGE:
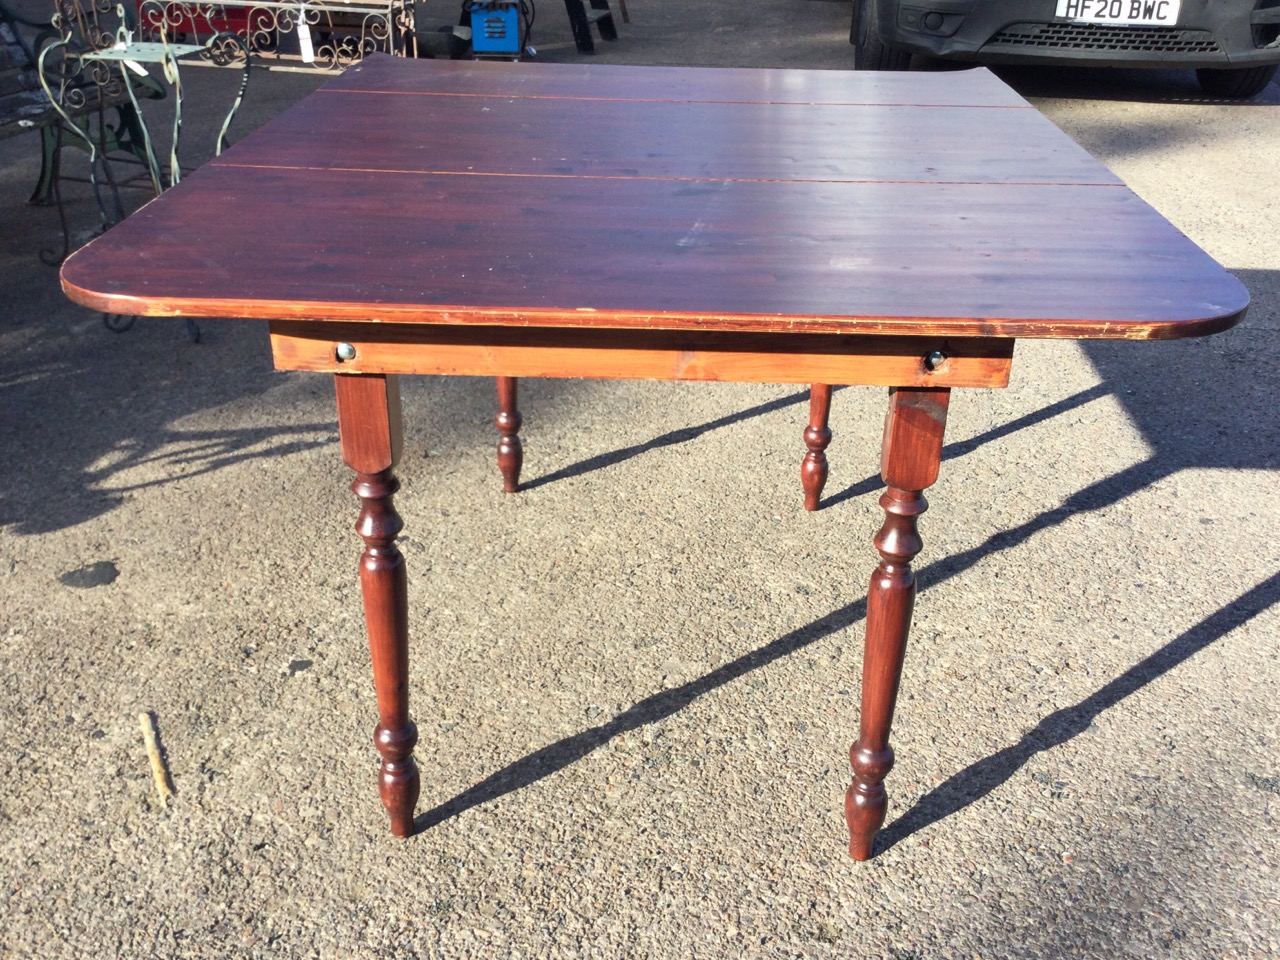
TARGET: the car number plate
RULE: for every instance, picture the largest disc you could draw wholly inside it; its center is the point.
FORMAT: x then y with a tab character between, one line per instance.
1122	12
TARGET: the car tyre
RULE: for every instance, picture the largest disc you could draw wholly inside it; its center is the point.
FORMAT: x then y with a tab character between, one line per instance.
869	51
1242	83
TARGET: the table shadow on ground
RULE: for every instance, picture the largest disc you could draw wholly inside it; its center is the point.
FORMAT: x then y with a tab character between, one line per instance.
1216	424
983	776
669	439
93	431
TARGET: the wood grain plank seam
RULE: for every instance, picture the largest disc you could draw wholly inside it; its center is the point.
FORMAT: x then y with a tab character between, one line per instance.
743	103
618	176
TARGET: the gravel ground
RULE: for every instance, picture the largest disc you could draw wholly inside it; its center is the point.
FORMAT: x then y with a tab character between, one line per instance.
636	682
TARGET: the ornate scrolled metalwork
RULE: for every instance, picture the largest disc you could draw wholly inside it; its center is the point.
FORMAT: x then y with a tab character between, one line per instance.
101	74
404	23
156	20
340	32
226	50
104	54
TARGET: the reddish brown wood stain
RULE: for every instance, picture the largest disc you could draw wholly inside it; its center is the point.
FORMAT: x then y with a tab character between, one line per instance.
758	225
756	200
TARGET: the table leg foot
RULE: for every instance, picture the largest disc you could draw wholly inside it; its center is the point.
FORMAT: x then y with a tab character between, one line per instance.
398	779
866	801
508	420
369	430
909	457
813	469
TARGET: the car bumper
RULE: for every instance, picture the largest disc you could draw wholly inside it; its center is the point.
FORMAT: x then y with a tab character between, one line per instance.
1210	33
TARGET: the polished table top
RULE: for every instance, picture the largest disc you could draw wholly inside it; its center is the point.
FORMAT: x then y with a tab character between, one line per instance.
663	198
761	225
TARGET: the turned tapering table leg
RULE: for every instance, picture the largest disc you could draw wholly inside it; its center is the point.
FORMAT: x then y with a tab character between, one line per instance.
813	469
909	456
508	420
370	434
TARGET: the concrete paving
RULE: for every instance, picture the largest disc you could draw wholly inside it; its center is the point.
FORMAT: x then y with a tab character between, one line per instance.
636	682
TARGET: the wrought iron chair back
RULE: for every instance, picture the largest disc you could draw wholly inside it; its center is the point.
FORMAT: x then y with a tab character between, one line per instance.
102	54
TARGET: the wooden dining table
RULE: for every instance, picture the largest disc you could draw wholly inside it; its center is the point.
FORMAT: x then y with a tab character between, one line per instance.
898	230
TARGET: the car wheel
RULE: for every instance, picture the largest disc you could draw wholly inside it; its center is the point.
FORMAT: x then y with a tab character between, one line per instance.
869	51
1240	84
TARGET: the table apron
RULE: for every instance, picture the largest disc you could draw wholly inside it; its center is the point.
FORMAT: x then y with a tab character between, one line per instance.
865	359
